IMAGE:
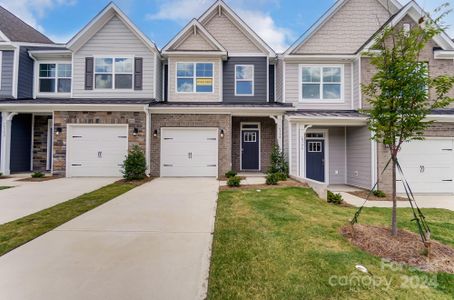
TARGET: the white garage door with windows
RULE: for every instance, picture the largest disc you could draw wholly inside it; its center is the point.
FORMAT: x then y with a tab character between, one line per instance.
189	152
428	165
96	150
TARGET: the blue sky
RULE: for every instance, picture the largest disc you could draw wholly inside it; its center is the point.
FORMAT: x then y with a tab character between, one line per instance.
279	22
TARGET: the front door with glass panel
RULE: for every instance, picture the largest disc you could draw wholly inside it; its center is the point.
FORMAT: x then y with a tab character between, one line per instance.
250	148
315	160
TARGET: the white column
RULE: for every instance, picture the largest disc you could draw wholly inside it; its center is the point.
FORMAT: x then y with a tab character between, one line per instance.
6	142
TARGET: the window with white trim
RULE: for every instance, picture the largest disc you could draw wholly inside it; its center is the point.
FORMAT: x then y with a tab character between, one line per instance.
54	78
321	83
114	73
244	80
194	77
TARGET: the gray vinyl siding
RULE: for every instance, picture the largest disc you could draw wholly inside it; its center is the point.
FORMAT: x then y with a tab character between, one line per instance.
293	149
337	155
359	157
356	83
6	90
279	80
159	80
260	79
25	80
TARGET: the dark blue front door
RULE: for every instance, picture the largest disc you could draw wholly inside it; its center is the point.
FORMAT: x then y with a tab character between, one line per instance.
315	160
250	150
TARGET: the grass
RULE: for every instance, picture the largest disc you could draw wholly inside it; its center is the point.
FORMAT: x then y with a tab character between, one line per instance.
5	187
285	244
23	230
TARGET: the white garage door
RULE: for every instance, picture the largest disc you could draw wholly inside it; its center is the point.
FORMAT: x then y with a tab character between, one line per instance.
96	150
189	152
428	166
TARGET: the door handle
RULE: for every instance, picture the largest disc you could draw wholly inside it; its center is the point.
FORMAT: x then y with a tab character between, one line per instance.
422	169
189	155
99	154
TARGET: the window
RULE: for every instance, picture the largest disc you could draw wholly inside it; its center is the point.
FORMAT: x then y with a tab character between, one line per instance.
250	137
194	77
55	78
113	73
314	147
244	80
321	83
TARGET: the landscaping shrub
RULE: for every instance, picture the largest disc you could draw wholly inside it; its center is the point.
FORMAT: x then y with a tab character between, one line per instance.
281	176
379	194
272	179
37	174
1	174
278	162
230	174
135	165
234	181
334	198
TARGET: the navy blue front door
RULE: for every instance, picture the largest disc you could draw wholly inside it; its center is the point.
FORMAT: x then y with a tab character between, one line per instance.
250	150
315	160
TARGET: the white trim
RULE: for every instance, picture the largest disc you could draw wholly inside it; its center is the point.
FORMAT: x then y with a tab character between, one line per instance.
52	146
196	53
374	161
318	57
147	139
240	54
194	77
156	74
321	100
245	80
15	72
4	38
49	150
259	126
345	156
37	78
326	152
360	78
352	70
49	107
274	82
267	79
283	81
163	83
1	68
221	82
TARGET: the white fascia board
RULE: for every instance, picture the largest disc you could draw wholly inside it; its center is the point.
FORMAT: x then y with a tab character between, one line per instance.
50	54
23	108
4	37
440	118
332	121
194	53
444	54
236	111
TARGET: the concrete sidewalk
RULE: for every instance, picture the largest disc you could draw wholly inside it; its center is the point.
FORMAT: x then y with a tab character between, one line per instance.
153	242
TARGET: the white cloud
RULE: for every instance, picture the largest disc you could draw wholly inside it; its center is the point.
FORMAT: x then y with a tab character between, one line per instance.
180	10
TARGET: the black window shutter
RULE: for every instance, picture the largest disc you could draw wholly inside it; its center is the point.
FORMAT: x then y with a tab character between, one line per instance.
138	73
89	73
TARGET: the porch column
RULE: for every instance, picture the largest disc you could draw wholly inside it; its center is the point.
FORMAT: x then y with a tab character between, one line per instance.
5	150
278	121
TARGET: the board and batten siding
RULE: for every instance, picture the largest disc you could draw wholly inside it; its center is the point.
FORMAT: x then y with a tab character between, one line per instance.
359	157
260	79
6	89
292	86
194	97
114	39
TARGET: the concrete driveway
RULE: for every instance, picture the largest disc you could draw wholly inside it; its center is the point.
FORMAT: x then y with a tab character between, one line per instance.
153	242
29	197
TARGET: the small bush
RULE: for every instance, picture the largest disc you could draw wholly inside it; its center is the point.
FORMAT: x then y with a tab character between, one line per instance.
230	174
37	174
379	194
272	179
281	176
134	165
278	162
1	174
334	198
234	181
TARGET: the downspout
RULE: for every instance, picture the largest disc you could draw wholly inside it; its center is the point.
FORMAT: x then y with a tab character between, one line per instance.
147	138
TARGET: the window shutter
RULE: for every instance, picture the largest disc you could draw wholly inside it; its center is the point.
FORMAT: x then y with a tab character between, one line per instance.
138	73
89	64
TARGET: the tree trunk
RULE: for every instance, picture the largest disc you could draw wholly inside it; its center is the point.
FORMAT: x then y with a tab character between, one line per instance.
394	213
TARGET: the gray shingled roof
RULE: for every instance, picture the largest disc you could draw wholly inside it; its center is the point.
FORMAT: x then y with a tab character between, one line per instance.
18	31
105	101
328	113
223	104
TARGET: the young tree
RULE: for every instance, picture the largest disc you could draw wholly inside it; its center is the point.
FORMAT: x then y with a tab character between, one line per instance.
402	92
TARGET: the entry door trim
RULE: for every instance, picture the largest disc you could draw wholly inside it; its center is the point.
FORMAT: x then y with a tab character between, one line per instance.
302	143
241	143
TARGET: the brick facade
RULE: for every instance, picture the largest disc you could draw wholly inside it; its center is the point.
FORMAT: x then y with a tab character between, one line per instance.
192	120
40	128
267	140
63	118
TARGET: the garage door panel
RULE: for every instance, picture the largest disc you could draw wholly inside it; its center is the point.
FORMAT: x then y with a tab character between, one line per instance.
195	171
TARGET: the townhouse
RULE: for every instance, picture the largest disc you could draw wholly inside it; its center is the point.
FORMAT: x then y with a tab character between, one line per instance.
215	98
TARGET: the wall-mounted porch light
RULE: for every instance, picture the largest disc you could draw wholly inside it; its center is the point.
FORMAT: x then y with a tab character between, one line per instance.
135	131
58	130
155	133
222	133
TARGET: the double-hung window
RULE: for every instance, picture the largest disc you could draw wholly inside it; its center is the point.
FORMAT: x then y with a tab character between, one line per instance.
194	77
244	80
113	73
321	83
55	78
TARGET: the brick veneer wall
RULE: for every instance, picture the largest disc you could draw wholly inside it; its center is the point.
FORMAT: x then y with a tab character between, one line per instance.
63	118
40	143
191	120
267	140
435	130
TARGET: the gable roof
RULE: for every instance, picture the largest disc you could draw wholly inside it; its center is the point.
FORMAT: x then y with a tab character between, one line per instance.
394	5
196	28
220	6
13	29
100	20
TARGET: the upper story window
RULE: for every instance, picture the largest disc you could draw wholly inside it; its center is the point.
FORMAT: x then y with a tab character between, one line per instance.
113	73
194	77
55	78
244	80
321	83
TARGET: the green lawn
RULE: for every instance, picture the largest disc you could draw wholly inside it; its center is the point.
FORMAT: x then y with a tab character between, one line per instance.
285	244
23	230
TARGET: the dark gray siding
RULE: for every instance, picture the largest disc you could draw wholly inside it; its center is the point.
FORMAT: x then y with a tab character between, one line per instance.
25	82
271	82
260	79
6	90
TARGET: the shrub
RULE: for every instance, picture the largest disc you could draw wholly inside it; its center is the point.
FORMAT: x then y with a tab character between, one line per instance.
230	174
278	162
234	181
334	198
37	174
379	194
1	174
272	179
281	176
134	165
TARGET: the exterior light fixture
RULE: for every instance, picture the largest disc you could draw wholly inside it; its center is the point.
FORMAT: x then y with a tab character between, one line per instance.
155	133
135	131
222	133
58	130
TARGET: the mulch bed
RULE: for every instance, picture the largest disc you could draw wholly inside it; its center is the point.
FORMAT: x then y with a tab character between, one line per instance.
5	177
281	184
406	248
363	194
45	178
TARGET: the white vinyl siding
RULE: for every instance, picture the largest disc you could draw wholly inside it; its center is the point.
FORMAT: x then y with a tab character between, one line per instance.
194	42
